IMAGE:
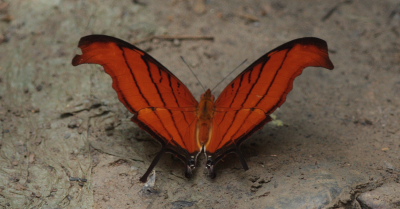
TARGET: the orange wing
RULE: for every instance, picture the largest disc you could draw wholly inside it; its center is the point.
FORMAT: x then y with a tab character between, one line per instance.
162	104
245	104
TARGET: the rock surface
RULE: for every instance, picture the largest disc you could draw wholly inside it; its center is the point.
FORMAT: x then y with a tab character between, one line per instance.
386	196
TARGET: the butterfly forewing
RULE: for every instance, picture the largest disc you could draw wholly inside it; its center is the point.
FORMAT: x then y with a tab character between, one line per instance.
159	100
245	104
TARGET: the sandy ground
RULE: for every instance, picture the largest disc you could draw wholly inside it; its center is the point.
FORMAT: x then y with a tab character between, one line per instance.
338	148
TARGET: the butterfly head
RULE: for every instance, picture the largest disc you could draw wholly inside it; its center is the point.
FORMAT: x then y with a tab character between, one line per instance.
208	96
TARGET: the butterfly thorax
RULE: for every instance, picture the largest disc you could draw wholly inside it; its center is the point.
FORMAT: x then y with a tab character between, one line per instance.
205	115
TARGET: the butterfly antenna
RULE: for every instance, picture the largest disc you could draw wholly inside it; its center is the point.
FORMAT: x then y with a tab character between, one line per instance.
228	75
193	73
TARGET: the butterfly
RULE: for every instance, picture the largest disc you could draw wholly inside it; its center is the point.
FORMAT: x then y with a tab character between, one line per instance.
165	108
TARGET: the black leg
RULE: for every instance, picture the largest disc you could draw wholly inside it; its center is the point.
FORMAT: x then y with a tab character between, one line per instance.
152	165
241	158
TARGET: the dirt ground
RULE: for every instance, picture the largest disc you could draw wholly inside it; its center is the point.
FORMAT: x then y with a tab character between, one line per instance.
338	146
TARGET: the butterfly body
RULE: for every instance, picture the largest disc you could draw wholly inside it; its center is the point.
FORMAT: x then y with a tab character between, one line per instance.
205	115
164	107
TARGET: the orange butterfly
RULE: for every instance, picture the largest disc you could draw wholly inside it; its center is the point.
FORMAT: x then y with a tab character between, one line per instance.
164	107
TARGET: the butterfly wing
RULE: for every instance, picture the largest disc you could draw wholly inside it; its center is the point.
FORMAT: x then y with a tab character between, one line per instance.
245	104
162	104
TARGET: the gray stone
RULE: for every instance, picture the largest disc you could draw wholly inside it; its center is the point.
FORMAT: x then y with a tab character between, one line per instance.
385	197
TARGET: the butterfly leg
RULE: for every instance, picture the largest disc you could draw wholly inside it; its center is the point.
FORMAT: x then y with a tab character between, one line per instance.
213	159
241	158
153	164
